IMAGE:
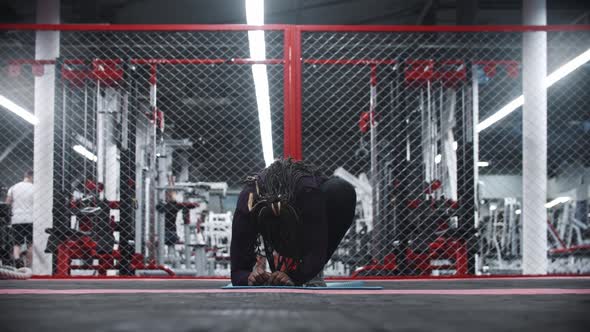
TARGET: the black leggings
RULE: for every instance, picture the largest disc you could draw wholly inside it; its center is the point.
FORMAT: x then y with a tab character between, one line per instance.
340	198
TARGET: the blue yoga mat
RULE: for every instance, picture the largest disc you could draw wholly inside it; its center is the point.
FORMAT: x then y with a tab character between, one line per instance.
348	285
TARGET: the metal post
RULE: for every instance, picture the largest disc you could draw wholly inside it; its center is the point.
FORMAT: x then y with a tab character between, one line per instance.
142	215
151	215
377	231
109	162
148	216
46	47
187	241
126	172
475	110
136	139
163	171
534	189
101	137
183	176
466	190
475	119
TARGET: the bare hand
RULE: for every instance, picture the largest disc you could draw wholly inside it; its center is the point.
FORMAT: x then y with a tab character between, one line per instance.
258	277
280	279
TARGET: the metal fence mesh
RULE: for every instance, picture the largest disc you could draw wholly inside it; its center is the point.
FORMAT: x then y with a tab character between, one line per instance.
153	132
417	160
17	135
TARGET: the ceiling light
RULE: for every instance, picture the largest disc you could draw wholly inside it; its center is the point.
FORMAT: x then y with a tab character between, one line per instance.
557	201
255	16
85	152
567	68
503	112
555	76
483	164
14	108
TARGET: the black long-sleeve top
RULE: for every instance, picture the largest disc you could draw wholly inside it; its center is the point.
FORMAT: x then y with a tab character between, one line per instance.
310	201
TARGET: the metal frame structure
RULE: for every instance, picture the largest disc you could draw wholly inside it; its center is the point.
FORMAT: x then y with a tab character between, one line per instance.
292	52
292	62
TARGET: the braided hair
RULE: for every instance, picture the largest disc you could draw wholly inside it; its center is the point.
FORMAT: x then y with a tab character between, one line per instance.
277	217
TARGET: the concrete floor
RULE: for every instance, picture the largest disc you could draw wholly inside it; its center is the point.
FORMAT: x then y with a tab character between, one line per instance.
197	305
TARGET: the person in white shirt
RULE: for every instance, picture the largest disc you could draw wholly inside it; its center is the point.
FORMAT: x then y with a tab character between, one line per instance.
20	197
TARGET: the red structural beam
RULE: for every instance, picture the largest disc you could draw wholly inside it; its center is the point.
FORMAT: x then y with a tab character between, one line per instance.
205	61
142	27
334	28
350	61
288	100
252	61
155	61
444	278
176	61
298	95
442	28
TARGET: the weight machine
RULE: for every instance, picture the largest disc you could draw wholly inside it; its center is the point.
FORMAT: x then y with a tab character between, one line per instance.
421	174
112	167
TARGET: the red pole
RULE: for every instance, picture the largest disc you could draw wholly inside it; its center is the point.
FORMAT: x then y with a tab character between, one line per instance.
287	92
292	72
296	57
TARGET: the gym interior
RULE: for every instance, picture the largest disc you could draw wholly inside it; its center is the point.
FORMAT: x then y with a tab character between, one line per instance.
462	125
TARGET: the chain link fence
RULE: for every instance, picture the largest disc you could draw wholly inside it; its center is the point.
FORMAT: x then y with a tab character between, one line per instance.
395	114
154	131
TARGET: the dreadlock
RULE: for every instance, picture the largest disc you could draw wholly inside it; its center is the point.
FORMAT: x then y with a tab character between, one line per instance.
279	224
281	178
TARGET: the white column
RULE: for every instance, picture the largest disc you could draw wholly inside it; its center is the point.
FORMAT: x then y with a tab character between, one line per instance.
377	246
112	165
46	47
141	161
534	189
475	119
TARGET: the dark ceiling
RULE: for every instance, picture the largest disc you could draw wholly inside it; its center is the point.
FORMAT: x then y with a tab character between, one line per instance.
298	11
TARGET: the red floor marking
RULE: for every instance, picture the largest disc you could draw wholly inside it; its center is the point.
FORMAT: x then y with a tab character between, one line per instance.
127	279
448	279
375	279
497	291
